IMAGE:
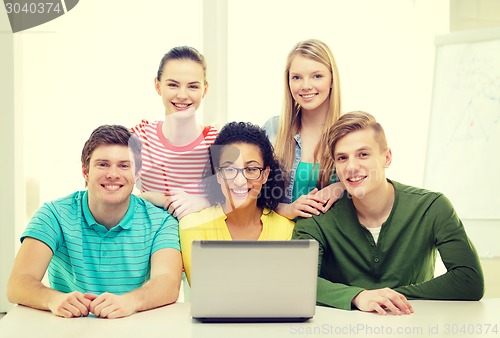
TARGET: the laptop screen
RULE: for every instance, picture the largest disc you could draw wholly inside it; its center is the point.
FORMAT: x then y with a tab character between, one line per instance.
254	280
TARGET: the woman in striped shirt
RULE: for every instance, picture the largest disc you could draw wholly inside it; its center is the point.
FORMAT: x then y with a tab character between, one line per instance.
175	150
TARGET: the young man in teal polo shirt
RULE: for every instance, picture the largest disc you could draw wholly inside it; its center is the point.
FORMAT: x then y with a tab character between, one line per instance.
107	251
379	242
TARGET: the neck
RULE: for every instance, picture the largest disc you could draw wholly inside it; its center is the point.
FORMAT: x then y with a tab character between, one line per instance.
313	119
243	217
374	209
181	132
108	215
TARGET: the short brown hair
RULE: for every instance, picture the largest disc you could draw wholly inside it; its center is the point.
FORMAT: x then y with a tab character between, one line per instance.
110	135
355	121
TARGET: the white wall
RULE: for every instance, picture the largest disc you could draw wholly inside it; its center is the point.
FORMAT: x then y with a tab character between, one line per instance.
9	123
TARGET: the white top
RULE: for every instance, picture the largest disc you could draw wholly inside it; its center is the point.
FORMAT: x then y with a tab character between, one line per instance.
375	232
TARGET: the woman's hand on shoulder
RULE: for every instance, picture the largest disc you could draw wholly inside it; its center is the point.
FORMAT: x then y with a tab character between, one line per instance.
305	206
180	203
157	198
330	195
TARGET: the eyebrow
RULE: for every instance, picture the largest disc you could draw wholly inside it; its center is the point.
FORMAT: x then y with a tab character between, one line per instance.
335	153
252	162
107	160
175	81
246	163
313	72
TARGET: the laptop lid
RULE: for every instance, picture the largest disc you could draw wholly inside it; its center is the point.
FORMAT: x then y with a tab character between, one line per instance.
254	280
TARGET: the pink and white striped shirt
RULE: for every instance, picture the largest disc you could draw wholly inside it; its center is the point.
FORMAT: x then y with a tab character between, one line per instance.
167	167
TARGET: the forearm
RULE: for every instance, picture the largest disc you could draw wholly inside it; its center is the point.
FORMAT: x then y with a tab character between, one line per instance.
155	198
28	291
461	283
335	294
158	291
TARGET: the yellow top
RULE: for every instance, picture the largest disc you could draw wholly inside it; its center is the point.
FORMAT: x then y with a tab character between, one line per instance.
210	224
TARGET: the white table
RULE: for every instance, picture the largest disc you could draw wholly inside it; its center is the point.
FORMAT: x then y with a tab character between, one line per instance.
431	319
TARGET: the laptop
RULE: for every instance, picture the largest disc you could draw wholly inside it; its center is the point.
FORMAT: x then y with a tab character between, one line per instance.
254	281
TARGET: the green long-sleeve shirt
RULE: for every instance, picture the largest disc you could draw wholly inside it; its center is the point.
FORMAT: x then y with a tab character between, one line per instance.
420	223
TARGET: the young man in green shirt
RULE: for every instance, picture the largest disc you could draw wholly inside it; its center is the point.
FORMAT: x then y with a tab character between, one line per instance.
379	243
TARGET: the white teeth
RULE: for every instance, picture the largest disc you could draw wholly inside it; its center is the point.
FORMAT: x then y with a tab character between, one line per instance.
112	187
308	96
181	105
240	192
355	179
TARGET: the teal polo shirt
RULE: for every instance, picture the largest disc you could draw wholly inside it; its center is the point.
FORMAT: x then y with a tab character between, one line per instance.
87	257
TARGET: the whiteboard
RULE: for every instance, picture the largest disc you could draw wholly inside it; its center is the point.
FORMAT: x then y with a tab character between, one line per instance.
463	149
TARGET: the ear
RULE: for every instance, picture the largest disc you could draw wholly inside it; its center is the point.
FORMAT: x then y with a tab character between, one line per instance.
265	174
157	86
137	175
85	174
205	90
388	158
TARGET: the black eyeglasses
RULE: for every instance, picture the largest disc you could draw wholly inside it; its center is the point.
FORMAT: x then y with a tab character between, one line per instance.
250	173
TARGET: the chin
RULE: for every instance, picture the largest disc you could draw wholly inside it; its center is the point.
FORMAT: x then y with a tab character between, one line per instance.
358	192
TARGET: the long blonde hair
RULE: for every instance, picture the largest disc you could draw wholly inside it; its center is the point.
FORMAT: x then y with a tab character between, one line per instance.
290	118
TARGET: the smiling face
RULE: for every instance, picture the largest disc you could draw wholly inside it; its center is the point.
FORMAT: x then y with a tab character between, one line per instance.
239	191
110	176
360	161
310	83
182	86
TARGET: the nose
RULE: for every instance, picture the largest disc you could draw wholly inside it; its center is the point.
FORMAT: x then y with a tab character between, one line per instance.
240	180
306	84
113	173
352	164
182	93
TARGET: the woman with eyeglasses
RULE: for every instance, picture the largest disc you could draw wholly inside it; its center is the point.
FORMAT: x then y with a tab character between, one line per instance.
245	184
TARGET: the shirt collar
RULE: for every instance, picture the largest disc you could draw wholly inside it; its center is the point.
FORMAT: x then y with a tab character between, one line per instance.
298	139
125	223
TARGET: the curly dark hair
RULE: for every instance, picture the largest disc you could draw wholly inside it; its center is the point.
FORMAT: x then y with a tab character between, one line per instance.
273	191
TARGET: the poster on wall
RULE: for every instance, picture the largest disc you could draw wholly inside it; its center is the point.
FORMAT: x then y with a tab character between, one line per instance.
464	132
